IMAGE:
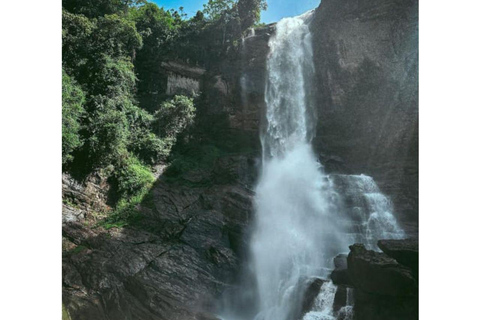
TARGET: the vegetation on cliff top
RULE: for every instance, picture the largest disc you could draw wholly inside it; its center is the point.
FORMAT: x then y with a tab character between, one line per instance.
111	49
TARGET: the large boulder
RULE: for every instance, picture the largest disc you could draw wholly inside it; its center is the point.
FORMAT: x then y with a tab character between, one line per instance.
340	275
384	289
376	273
405	251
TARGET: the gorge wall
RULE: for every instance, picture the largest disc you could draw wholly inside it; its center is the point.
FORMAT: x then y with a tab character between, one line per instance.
366	60
188	247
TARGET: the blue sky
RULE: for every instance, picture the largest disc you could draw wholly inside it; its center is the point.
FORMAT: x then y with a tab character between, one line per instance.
277	9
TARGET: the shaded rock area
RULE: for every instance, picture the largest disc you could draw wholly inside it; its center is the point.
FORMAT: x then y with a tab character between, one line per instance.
377	273
384	288
172	263
366	60
404	251
340	274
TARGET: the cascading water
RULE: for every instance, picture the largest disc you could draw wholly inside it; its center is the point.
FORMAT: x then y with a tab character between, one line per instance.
304	217
296	231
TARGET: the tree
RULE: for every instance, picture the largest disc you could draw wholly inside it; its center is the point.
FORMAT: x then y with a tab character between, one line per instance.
73	99
99	8
174	116
249	11
214	9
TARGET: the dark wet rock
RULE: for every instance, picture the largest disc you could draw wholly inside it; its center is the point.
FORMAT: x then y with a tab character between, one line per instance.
404	251
377	307
366	62
377	273
171	264
311	291
340	275
384	289
340	299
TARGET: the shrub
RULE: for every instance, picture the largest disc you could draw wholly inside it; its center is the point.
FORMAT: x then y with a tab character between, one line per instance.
109	132
174	116
73	99
148	147
133	177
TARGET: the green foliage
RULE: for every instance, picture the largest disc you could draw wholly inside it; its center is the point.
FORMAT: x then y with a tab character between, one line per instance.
126	212
249	11
93	49
214	9
193	157
95	8
73	99
115	77
133	177
108	132
112	50
174	116
149	148
160	30
65	315
117	36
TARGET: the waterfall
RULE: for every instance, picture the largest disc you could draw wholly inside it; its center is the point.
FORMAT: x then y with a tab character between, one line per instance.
303	216
323	304
296	232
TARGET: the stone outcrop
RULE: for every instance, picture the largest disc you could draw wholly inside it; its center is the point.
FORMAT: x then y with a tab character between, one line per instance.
340	274
88	195
366	60
172	263
404	251
384	288
377	273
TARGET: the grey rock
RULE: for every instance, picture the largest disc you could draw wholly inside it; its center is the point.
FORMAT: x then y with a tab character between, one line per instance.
404	251
340	274
366	61
384	289
172	264
376	273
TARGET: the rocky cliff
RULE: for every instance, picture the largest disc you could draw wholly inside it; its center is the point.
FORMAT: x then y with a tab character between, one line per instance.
187	245
172	263
366	60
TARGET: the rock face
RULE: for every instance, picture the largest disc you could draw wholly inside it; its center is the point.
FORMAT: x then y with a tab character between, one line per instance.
366	60
172	263
236	86
404	251
384	288
377	273
340	274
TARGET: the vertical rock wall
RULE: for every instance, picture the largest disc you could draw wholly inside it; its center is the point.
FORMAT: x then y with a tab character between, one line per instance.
366	59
